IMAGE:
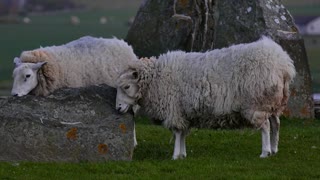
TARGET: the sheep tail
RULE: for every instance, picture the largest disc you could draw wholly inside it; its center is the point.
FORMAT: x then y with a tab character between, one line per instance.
287	79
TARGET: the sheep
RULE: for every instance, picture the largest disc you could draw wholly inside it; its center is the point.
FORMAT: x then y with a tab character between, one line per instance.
82	62
182	89
26	20
74	20
103	20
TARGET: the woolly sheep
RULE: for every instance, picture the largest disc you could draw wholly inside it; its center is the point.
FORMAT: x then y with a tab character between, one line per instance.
182	89
82	62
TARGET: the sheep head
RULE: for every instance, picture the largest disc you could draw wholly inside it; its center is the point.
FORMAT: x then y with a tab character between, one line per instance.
25	77
128	90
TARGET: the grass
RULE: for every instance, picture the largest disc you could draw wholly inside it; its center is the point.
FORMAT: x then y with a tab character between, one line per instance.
305	10
313	51
222	154
315	68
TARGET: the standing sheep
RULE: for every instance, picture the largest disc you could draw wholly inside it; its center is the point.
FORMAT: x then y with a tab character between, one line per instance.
182	89
83	62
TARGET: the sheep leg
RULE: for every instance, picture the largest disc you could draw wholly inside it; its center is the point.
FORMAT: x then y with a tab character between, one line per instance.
177	145
265	133
183	151
275	127
135	143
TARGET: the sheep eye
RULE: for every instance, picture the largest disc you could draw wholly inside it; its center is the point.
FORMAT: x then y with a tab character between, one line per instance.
126	87
28	75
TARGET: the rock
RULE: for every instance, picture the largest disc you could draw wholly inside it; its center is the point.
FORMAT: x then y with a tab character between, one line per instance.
71	125
201	25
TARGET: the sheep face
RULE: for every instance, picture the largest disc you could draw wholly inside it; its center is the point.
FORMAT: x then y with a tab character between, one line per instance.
127	91
24	77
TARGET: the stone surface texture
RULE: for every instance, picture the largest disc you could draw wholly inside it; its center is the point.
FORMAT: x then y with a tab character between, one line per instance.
71	125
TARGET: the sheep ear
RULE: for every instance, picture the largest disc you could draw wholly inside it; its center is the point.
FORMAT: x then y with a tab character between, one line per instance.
17	61
38	65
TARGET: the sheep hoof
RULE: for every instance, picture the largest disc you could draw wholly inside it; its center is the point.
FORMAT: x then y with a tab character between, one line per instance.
265	154
180	156
274	151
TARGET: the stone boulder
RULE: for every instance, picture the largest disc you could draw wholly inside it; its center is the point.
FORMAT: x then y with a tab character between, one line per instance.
71	125
201	25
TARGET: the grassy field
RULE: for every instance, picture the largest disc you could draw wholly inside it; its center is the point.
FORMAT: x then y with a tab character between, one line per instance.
305	10
223	154
313	51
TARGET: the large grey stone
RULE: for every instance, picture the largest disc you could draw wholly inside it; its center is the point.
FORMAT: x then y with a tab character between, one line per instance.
70	125
201	25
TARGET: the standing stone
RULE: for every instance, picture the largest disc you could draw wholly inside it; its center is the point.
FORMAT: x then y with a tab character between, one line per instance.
201	25
71	125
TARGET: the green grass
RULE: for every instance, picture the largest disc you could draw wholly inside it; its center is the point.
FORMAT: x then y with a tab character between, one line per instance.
315	68
312	44
223	154
304	10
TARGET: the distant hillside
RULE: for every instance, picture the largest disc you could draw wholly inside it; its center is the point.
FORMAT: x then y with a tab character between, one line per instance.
296	7
301	2
109	4
135	3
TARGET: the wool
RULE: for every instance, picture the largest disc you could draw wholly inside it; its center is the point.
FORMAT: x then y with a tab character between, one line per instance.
82	62
243	78
244	84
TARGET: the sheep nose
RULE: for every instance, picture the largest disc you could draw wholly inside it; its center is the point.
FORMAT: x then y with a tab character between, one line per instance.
118	109
15	95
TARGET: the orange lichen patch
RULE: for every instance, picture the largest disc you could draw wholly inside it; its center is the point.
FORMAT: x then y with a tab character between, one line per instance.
182	3
293	92
102	148
305	111
72	134
286	112
123	128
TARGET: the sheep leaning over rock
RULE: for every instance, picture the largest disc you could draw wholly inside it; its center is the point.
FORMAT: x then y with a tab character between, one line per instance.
182	89
83	62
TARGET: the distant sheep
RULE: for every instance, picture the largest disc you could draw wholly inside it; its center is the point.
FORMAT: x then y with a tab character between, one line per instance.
83	62
74	20
26	20
103	20
183	89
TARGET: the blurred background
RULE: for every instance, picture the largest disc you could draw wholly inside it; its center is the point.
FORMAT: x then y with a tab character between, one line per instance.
29	24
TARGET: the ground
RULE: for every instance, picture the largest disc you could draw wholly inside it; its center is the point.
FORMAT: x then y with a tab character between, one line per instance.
211	154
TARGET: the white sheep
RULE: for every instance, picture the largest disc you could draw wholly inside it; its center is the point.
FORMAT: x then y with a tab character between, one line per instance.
82	62
183	89
74	20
